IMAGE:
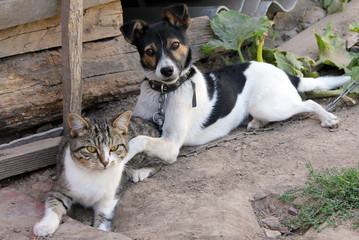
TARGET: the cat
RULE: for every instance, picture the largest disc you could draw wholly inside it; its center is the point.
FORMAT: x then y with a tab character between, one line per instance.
90	167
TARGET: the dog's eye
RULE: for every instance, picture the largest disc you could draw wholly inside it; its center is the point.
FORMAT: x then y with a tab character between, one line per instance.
175	45
150	52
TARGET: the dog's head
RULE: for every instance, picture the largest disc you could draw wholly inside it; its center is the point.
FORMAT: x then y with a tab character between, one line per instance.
163	47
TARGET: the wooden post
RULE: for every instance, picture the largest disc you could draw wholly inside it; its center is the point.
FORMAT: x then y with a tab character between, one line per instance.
72	21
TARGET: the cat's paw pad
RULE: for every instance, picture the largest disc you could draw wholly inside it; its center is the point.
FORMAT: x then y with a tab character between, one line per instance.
44	229
139	175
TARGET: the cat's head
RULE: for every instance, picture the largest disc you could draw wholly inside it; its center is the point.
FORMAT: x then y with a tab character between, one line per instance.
98	144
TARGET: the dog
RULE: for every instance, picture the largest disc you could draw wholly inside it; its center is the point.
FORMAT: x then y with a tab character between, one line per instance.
194	108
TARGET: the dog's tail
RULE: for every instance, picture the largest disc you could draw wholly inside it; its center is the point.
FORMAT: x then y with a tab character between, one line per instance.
325	82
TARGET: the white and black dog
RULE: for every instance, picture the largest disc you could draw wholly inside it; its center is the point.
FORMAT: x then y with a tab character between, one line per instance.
199	107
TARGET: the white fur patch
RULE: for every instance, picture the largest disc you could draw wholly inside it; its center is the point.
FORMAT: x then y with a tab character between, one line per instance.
48	224
89	186
165	61
139	175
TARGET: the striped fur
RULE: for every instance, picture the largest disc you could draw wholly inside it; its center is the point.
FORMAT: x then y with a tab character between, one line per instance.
90	166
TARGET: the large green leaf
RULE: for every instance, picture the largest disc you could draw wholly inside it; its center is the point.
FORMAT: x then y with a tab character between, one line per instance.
332	49
333	6
290	63
232	28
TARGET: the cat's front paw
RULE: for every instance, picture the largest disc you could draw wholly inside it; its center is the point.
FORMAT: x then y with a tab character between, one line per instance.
105	227
44	229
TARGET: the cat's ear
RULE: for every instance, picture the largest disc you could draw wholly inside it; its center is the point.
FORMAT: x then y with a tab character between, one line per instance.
77	124
133	30
121	122
177	15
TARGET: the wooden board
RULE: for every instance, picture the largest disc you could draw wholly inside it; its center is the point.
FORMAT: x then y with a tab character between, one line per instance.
17	12
28	157
99	22
111	70
71	21
305	43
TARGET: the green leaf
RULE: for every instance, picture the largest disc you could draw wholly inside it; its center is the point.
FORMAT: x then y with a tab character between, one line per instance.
354	27
232	28
332	49
289	62
354	74
333	6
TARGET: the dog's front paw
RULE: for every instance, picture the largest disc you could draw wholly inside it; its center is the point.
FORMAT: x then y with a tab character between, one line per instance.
43	229
255	124
331	121
139	175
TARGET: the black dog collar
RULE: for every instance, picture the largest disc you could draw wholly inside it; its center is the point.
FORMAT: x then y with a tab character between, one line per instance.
166	88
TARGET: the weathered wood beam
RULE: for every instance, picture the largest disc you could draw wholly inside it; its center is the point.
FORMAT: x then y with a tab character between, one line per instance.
16	12
72	20
99	22
111	71
28	157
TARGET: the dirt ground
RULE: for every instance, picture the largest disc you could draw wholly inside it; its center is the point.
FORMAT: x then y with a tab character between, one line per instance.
228	191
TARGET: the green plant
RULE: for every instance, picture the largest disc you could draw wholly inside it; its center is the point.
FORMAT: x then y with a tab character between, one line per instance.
233	28
329	199
332	49
333	52
333	6
354	27
289	62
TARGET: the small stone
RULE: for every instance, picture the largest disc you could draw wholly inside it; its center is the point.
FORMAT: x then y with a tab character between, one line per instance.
293	211
259	196
272	234
273	223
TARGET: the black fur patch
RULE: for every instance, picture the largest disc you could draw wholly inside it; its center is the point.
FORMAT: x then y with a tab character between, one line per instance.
294	80
228	83
210	85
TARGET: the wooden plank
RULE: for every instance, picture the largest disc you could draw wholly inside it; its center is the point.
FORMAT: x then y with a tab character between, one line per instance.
17	12
111	71
305	43
99	22
28	157
55	132
72	20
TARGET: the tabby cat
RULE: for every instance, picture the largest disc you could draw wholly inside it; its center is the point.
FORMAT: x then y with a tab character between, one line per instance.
90	167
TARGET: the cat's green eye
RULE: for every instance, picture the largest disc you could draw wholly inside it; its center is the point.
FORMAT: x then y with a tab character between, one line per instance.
91	149
114	148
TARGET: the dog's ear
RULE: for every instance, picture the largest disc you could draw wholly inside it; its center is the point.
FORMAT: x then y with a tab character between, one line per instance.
177	15
133	30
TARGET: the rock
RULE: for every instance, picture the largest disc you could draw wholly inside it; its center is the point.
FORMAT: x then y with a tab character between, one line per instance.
293	211
259	196
272	234
273	223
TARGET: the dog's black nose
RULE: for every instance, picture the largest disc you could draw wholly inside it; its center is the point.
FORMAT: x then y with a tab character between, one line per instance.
167	71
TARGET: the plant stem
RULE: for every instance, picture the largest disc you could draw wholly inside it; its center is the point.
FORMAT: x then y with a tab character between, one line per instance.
240	52
260	39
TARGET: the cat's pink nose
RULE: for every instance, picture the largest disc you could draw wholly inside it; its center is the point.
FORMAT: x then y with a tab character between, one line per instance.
105	163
